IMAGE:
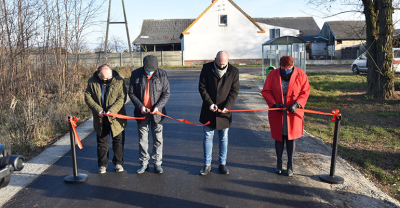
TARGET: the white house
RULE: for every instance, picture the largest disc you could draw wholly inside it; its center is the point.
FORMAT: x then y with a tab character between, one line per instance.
225	26
222	26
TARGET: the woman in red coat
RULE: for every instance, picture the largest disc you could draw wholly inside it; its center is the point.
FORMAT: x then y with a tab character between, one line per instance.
286	87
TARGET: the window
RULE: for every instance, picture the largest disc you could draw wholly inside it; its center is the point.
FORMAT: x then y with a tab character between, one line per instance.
274	33
223	20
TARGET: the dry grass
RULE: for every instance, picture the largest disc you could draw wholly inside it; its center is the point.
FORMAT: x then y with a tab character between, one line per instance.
31	120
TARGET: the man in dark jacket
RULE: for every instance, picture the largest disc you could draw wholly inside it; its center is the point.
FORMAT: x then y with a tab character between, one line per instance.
219	88
106	92
149	92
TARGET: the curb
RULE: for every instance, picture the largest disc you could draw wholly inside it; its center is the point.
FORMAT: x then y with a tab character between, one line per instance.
37	165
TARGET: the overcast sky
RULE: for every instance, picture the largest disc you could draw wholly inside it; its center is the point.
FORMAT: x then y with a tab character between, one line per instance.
137	11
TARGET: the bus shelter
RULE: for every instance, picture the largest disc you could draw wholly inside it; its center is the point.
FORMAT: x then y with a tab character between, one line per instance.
273	49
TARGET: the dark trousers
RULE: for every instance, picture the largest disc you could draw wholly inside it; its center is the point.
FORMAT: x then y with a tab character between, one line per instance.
290	147
117	145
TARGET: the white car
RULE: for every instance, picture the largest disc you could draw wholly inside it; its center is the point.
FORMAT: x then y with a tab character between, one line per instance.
360	64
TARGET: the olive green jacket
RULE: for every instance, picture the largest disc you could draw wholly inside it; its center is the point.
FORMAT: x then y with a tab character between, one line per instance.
115	102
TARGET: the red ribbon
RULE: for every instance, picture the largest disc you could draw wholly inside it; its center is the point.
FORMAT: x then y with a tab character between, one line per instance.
248	110
123	116
335	113
158	113
73	121
182	120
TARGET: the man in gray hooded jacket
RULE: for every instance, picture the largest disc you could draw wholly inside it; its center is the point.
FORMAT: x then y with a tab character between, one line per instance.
149	92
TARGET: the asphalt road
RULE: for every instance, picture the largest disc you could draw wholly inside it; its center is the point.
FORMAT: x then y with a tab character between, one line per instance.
251	160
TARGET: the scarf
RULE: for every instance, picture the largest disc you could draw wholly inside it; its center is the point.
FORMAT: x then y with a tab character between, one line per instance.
220	72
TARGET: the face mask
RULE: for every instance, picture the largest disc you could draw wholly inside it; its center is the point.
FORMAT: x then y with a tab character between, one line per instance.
220	68
106	81
286	72
149	72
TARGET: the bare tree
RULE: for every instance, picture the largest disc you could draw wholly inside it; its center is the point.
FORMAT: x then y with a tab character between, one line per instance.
36	38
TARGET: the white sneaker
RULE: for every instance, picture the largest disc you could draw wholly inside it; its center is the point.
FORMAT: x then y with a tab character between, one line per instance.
118	168
102	170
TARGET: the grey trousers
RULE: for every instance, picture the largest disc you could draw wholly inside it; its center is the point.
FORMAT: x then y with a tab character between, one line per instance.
156	132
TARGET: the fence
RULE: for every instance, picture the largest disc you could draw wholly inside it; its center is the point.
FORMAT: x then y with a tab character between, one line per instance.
171	58
342	54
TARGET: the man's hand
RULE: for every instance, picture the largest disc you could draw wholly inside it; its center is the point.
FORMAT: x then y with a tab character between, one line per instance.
224	110
107	114
292	109
101	114
144	110
155	110
213	108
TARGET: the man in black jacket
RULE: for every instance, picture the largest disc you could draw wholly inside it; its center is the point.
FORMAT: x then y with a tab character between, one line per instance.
149	92
219	88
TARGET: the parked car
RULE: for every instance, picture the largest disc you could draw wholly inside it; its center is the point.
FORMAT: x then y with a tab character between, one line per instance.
360	64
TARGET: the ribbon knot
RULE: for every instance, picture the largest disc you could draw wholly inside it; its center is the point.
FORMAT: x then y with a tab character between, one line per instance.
336	114
73	121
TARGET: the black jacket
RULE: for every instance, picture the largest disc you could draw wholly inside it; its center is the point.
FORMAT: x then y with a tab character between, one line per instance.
219	91
159	91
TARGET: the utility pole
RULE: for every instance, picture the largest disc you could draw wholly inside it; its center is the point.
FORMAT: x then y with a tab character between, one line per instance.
126	26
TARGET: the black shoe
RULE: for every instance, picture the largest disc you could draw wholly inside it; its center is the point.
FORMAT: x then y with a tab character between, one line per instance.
206	170
158	169
279	167
222	169
142	169
290	169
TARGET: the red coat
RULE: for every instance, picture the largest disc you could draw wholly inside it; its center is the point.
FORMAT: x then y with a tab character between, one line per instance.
298	91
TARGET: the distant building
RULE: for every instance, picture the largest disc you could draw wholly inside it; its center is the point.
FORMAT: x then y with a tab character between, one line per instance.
346	39
315	46
222	26
161	35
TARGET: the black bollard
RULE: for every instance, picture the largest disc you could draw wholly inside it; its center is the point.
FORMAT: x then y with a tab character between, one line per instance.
331	178
75	178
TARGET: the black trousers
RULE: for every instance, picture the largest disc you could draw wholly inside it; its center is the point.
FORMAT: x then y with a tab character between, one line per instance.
117	145
290	147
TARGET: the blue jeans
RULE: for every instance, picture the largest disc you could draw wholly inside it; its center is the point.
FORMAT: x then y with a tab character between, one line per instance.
208	144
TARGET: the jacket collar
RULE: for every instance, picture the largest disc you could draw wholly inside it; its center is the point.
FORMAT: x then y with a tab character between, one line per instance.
228	69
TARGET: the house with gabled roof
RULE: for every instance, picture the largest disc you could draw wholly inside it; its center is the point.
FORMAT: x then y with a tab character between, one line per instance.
161	35
222	26
346	39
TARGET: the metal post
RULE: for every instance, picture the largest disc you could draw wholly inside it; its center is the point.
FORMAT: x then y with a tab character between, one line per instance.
331	178
141	60
75	178
262	64
108	25
161	58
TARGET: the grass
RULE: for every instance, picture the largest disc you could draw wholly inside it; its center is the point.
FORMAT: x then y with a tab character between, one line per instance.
369	134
